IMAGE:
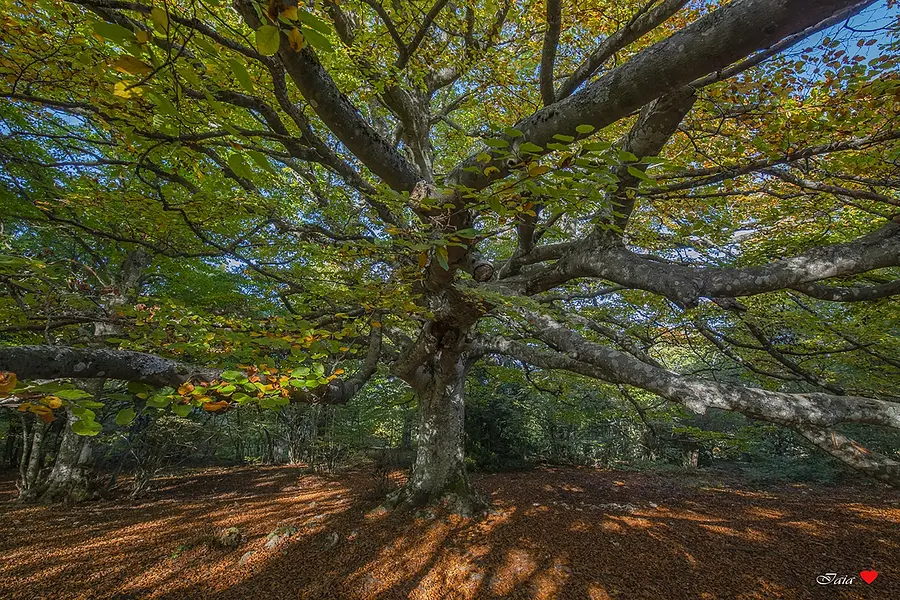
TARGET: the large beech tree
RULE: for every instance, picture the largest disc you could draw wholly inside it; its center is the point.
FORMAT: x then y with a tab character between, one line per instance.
605	188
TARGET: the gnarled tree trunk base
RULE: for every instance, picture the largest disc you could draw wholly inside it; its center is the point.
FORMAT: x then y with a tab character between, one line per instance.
456	494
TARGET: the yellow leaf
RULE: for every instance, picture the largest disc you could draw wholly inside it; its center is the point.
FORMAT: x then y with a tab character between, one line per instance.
423	259
121	90
142	36
160	19
290	13
296	39
539	170
52	401
131	65
376	324
39	410
7	381
338	371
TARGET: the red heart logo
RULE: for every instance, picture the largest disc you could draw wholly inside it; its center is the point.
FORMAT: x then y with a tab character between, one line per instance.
868	576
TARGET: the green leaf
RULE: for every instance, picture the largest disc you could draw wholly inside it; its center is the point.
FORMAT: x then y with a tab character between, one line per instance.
239	166
466	233
85	414
159	401
86	427
625	156
314	22
182	410
230	374
113	32
635	172
440	254
241	74
73	394
496	143
125	416
512	132
261	160
597	146
530	148
206	46
164	105
585	129
268	38
316	39
564	138
135	387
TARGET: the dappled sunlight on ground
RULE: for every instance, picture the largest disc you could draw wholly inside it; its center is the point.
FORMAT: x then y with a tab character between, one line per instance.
552	533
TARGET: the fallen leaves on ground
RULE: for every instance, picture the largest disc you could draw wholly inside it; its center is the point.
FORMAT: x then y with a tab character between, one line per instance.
551	533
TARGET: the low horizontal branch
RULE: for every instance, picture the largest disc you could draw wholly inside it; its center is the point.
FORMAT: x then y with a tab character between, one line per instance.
62	362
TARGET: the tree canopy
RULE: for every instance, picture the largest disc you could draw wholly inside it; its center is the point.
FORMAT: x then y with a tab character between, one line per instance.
247	203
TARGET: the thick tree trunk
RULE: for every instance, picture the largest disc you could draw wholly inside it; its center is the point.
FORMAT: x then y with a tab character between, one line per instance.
69	481
438	475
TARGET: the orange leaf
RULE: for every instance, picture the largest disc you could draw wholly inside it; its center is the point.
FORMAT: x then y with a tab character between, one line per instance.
296	39
7	381
215	406
186	389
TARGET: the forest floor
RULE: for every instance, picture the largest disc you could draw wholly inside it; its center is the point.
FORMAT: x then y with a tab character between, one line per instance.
552	533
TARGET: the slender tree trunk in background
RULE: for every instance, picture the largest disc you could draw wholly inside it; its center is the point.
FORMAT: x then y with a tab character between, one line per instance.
26	448
31	461
406	439
438	474
10	453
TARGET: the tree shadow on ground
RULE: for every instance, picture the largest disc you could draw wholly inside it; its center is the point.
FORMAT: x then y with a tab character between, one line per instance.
552	533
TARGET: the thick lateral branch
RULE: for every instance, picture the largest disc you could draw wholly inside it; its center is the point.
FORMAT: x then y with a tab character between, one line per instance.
851	294
656	124
710	43
686	285
644	22
580	355
61	362
338	112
